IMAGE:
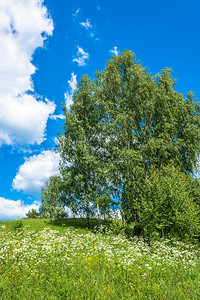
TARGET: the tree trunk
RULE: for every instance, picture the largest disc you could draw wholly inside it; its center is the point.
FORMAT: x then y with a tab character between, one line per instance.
99	217
121	213
120	206
87	214
137	228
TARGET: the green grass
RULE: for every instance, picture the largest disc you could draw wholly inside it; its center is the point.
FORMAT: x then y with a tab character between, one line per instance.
63	260
60	225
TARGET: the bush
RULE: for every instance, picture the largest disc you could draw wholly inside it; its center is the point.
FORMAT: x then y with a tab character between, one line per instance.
116	226
60	213
168	208
18	224
33	214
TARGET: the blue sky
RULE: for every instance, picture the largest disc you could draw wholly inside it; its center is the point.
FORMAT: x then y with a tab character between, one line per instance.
46	47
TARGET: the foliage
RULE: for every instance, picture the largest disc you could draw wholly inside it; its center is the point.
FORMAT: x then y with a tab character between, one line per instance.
18	224
33	214
168	208
117	226
83	176
60	213
122	132
147	123
52	204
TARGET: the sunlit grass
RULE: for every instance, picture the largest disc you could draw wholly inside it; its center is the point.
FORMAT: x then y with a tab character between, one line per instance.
60	262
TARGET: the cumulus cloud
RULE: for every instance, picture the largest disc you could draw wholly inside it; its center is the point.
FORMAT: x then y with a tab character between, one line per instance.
69	94
23	119
24	26
35	171
114	51
86	24
10	209
81	58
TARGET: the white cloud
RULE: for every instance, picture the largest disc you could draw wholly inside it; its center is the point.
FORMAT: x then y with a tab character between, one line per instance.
69	94
10	209
24	26
35	171
73	82
23	119
75	14
82	56
86	24
55	117
114	51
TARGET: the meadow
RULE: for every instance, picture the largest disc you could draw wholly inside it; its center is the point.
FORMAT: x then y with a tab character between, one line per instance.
42	260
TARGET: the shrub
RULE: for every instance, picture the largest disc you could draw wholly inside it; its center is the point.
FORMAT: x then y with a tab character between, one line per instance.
60	213
18	224
33	214
168	208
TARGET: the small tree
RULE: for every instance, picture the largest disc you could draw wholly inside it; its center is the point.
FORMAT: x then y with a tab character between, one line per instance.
32	214
168	208
51	197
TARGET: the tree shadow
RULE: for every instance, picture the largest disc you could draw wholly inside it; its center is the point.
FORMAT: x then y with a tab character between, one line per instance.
78	223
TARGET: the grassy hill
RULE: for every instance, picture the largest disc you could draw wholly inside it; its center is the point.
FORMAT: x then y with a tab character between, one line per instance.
63	260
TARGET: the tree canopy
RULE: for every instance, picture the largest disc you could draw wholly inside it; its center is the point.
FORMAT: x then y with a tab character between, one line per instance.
52	198
123	124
